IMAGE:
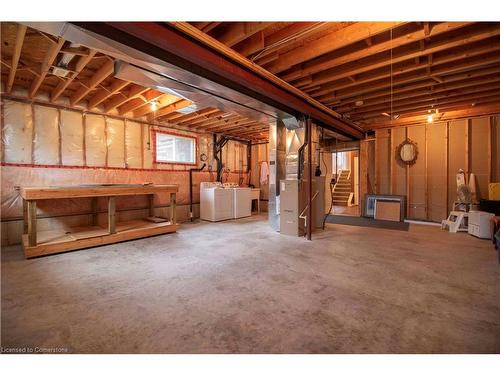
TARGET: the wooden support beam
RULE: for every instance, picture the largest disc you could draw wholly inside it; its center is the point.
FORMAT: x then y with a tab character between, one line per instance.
47	63
376	92
121	98
217	119
330	42
104	72
169	109
447	63
105	93
139	101
206	27
235	32
478	110
18	46
446	98
163	101
365	60
252	45
189	118
79	65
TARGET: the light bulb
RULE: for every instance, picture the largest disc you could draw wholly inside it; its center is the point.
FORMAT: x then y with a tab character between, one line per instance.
154	105
430	119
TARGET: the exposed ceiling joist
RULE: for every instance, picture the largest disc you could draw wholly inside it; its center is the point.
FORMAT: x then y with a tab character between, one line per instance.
236	32
46	65
21	32
105	93
335	40
79	65
104	72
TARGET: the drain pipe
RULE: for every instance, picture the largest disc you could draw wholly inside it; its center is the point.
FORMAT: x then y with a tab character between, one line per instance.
191	188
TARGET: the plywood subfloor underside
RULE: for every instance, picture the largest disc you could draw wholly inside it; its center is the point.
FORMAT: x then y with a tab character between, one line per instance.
239	287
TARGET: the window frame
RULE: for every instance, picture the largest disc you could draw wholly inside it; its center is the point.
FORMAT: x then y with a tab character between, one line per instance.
175	134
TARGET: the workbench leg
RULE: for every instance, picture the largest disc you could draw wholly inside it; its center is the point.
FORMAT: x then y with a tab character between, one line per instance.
94	210
173	204
112	215
151	205
31	223
25	216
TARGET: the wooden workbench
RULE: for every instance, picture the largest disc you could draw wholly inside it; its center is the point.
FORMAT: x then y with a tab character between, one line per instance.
56	241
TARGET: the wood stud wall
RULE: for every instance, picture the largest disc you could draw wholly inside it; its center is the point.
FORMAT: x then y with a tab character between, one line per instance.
443	148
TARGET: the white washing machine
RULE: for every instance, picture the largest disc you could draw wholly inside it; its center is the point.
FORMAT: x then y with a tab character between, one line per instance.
216	203
242	202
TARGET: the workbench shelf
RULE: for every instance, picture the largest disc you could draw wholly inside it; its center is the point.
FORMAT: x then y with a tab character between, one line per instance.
67	239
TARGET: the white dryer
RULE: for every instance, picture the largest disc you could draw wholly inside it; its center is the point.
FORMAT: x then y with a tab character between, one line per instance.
216	203
242	202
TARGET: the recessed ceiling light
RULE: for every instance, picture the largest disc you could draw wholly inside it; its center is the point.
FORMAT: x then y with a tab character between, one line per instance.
359	103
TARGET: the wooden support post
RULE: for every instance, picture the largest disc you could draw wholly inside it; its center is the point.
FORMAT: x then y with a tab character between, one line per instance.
25	216
32	223
309	179
173	206
151	205
94	210
112	215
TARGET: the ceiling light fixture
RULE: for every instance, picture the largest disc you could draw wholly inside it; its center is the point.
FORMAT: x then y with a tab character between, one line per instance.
154	105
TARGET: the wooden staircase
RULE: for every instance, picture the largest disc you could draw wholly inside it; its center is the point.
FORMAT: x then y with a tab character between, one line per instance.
342	189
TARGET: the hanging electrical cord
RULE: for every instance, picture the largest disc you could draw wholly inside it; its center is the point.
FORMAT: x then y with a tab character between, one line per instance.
392	115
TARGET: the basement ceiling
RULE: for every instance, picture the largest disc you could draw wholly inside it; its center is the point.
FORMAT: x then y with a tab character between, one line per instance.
378	73
41	64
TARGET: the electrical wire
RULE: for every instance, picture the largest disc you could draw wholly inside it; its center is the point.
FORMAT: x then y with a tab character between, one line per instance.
392	115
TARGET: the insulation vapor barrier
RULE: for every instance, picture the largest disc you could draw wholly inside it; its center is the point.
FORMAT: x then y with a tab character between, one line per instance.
95	140
71	126
46	137
44	146
17	133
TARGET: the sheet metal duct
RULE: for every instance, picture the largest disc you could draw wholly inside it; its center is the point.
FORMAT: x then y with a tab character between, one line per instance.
277	170
150	71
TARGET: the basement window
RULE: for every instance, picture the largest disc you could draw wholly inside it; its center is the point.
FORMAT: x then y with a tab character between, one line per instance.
175	149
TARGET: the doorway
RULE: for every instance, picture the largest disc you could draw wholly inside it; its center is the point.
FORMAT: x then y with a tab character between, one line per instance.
345	183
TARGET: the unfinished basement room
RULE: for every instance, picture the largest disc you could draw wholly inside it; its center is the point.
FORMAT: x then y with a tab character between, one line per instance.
250	187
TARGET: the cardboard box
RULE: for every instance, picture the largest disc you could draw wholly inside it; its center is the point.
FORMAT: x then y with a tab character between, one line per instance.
387	210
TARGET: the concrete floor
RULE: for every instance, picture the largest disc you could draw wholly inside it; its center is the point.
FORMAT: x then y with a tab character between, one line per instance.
238	287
